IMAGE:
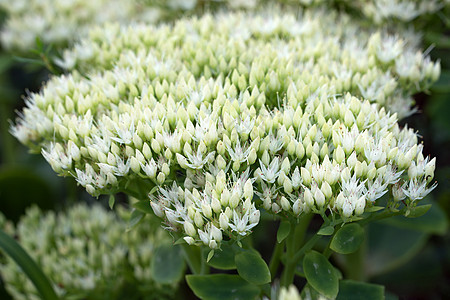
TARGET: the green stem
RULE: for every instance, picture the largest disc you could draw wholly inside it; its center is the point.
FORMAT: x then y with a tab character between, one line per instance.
293	243
9	156
275	260
355	266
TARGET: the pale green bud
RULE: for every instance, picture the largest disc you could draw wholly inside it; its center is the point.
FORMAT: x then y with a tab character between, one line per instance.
198	219
392	153
265	158
286	166
223	221
326	190
221	148
190	229
215	205
306	176
155	146
234	200
181	160
287	185
135	165
160	178
360	205
351	161
248	189
345	174
225	197
339	154
285	204
308	197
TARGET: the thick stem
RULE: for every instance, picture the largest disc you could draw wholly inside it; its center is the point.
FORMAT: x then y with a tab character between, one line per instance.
355	266
9	156
275	259
293	243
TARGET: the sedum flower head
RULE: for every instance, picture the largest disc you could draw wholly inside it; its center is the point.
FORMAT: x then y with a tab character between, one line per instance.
60	22
84	252
227	116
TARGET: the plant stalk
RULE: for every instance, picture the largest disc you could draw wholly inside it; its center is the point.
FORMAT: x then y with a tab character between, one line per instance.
293	243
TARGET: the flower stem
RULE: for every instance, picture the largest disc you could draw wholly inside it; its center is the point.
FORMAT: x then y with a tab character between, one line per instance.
293	243
275	259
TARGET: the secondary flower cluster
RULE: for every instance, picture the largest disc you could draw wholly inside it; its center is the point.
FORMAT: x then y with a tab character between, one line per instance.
60	22
232	114
402	10
336	54
85	251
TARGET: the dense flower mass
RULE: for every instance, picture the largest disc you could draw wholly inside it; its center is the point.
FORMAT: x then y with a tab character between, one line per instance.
84	252
58	22
232	114
398	10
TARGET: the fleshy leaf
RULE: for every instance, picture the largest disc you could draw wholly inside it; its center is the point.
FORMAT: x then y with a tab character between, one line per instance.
418	211
354	290
223	259
221	287
283	231
328	230
348	239
167	264
320	274
252	267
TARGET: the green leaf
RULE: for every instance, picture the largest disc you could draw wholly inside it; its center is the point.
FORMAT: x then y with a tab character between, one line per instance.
283	231
223	259
143	206
374	208
433	222
354	290
210	255
327	230
348	238
111	201
418	211
221	287
29	267
180	241
252	267
136	217
320	274
167	264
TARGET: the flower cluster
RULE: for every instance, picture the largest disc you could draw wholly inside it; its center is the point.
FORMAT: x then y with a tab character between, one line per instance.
59	22
85	252
402	10
232	114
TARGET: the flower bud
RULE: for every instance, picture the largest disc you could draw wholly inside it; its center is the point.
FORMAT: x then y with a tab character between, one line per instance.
248	189
308	197
254	217
360	204
225	197
326	190
339	154
198	219
189	229
234	200
306	176
223	221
